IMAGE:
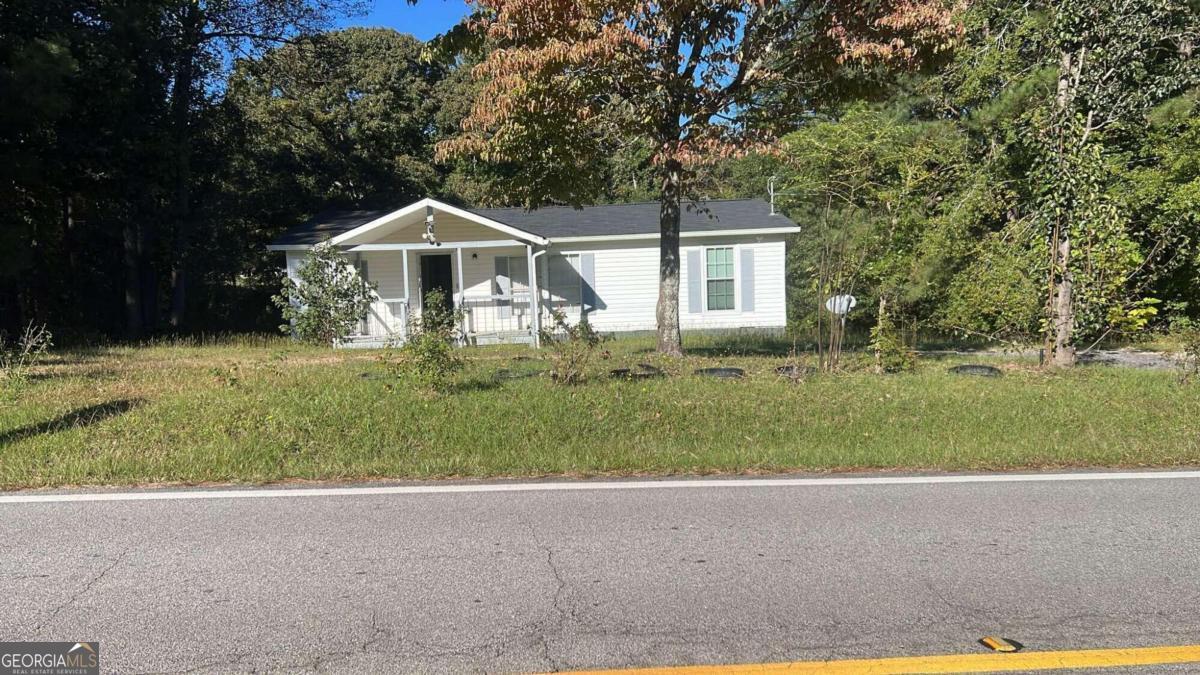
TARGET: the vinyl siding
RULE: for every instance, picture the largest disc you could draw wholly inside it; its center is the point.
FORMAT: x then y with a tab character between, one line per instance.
626	279
627	285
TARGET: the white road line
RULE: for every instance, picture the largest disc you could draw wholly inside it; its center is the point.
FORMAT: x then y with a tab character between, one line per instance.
562	486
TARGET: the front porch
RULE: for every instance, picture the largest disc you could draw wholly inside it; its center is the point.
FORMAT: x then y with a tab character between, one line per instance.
499	276
487	281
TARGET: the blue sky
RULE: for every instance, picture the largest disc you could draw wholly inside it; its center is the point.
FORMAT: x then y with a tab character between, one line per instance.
425	19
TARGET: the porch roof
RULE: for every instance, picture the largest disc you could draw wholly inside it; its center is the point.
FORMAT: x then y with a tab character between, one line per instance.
607	221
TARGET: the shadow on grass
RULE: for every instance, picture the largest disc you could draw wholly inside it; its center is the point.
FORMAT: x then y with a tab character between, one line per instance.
80	417
735	345
475	384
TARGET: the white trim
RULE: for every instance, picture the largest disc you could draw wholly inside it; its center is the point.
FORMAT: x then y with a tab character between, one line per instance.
482	220
404	268
448	245
441	206
462	292
562	240
535	295
570	486
682	235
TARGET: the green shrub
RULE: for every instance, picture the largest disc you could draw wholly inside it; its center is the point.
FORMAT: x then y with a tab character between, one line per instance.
326	300
571	348
891	354
428	357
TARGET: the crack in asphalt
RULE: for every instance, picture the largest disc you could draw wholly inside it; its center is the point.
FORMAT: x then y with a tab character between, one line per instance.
87	587
564	615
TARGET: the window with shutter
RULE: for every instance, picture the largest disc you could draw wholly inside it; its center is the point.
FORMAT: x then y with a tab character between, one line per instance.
564	281
718	278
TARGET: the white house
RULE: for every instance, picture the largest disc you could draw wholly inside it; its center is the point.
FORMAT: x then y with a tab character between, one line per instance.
598	261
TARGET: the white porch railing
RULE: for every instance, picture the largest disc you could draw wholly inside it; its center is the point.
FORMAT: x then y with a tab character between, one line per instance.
386	321
497	317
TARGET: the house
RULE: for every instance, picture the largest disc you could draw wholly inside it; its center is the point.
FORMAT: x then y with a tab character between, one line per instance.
600	262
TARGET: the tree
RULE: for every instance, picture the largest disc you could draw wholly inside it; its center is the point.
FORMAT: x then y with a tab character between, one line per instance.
326	300
1117	60
343	118
94	86
202	33
570	81
36	67
870	185
1062	92
107	169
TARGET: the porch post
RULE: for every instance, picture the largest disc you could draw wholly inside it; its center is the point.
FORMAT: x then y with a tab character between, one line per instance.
461	294
535	310
407	296
404	271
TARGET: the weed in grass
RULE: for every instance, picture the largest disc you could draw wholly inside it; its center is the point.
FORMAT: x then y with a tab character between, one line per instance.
19	355
571	349
1189	354
428	358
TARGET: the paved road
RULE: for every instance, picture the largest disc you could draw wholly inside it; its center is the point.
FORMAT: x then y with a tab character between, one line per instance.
546	580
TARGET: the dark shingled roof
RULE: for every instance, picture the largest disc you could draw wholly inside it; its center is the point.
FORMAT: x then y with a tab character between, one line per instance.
564	221
326	225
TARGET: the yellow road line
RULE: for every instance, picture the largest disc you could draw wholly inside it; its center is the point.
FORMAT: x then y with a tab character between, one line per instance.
951	663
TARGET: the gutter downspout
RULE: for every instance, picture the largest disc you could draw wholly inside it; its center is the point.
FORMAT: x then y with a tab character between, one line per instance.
462	297
535	295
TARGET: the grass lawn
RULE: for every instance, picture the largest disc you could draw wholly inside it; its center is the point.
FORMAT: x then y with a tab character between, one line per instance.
268	410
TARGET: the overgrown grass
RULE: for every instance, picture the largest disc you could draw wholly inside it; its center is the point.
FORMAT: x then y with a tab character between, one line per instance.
268	410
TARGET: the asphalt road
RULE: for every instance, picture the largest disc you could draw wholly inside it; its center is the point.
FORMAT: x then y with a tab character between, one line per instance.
550	580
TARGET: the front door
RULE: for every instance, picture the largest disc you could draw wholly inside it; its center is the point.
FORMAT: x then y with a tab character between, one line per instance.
435	273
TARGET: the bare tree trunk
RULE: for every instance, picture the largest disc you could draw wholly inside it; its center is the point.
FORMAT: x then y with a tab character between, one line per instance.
879	319
134	327
1051	285
181	101
667	313
1064	309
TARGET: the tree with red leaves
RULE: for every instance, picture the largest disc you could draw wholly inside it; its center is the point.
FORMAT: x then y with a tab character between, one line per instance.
701	80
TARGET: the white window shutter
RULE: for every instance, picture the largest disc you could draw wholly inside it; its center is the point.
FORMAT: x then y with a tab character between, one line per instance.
695	274
747	279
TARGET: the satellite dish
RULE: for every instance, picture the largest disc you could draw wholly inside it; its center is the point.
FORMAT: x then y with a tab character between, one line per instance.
840	304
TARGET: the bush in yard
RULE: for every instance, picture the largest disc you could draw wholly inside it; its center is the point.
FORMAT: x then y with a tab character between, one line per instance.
891	354
428	357
20	354
326	300
1189	356
572	348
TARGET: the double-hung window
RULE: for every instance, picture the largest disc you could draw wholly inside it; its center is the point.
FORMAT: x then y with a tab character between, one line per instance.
718	278
564	282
